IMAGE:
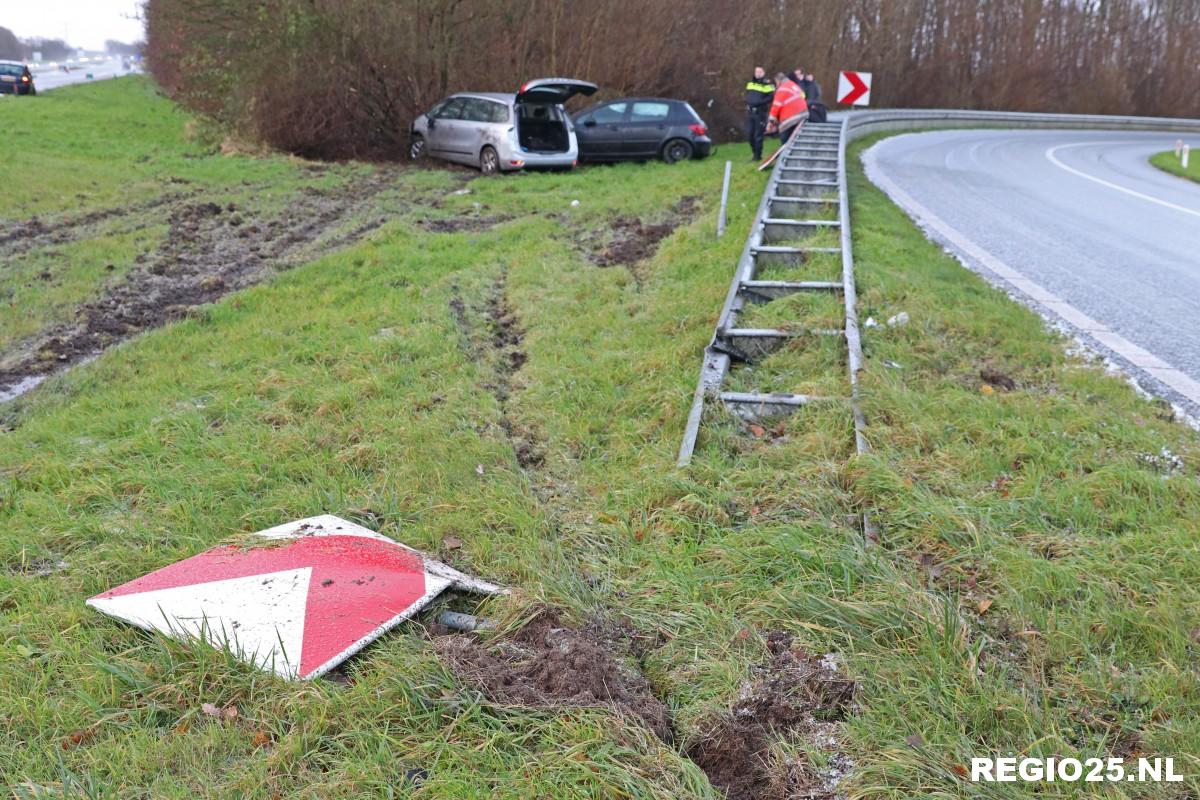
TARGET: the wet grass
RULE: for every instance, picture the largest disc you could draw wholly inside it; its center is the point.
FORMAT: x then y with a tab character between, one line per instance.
1033	590
1168	162
126	195
92	146
44	285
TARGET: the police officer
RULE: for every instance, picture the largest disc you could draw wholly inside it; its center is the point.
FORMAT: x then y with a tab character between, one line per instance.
759	94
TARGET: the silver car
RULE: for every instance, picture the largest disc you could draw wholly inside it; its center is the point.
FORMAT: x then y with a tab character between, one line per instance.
502	132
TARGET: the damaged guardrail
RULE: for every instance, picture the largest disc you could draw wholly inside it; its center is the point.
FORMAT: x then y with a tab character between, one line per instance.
805	170
865	123
808	177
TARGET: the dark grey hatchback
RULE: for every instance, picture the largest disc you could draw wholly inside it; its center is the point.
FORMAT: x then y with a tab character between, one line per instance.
641	128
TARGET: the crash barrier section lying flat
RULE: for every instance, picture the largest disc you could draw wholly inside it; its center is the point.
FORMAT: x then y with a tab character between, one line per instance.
809	177
810	173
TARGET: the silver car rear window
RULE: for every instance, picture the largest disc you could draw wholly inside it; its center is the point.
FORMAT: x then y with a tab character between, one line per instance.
476	109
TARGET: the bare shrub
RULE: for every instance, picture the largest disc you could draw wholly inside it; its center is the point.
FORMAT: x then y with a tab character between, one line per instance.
344	78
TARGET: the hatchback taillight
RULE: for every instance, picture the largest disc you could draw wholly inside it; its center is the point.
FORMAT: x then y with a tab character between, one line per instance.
24	79
698	129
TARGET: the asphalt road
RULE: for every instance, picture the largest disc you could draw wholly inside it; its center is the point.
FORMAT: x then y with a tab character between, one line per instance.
47	78
1076	224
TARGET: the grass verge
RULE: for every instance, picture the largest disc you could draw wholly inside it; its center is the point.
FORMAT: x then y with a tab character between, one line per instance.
1168	162
489	393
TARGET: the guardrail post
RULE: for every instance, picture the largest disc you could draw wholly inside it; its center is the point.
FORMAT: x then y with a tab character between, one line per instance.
724	201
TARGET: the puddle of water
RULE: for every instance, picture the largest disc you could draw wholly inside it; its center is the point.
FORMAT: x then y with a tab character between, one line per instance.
19	388
15	390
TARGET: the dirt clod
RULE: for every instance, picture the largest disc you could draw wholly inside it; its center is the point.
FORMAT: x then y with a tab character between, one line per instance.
548	665
795	694
998	379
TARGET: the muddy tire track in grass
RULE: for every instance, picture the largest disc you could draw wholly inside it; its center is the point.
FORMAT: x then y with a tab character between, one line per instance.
25	235
492	337
209	251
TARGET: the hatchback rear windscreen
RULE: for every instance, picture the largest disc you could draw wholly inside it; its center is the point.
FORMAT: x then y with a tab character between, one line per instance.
12	69
649	111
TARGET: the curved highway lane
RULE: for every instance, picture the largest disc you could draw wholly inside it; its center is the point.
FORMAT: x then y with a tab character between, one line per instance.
1075	223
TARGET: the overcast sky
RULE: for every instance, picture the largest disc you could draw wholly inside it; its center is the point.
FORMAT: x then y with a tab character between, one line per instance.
83	23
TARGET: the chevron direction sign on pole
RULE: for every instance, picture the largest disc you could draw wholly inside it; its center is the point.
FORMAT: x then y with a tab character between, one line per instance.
854	88
298	600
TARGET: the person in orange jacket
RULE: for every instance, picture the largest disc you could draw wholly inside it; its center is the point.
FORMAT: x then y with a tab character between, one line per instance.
789	108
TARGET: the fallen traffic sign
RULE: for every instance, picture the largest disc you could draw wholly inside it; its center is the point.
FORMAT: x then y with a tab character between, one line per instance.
300	599
854	88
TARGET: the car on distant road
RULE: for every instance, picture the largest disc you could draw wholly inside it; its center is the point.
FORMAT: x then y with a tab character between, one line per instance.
499	132
15	78
641	128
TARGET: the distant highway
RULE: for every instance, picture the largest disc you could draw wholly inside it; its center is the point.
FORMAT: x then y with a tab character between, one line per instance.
1078	224
47	77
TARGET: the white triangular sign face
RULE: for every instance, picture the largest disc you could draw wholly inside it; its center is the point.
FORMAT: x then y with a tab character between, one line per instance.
259	618
305	597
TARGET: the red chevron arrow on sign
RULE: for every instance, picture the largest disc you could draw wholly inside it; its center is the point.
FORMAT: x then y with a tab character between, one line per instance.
297	602
854	88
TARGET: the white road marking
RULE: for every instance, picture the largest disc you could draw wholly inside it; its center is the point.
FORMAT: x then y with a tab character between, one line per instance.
1050	154
1136	355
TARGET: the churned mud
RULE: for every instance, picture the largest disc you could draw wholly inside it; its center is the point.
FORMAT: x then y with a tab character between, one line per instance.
211	249
468	224
794	694
629	240
550	665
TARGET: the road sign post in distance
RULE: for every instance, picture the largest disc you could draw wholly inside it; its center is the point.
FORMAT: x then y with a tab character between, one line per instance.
297	599
854	88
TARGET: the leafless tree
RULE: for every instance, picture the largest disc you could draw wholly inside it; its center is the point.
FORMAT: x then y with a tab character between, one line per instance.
344	78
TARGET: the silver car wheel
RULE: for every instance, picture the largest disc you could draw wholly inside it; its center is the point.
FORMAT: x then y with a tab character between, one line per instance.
416	150
489	161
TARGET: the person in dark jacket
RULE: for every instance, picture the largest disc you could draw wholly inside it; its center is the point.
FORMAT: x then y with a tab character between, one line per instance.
759	94
812	89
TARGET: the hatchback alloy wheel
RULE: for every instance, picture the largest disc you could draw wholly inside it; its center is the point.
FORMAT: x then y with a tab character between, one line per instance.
677	150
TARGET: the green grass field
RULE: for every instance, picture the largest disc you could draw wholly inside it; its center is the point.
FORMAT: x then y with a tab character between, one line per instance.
1167	162
1034	590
